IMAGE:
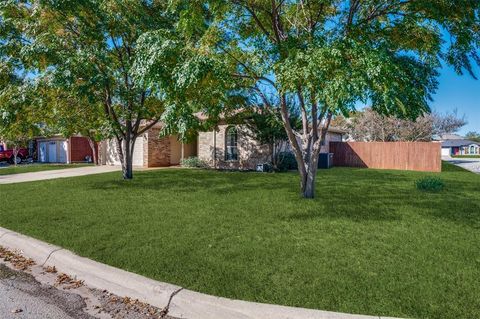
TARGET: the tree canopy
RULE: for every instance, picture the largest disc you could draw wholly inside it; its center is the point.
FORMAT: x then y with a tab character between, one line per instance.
150	61
324	56
94	51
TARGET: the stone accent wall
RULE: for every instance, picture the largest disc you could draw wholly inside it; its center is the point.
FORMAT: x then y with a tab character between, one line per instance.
156	150
211	148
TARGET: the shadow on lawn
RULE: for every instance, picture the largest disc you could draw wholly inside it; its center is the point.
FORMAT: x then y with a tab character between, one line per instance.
199	180
355	194
458	202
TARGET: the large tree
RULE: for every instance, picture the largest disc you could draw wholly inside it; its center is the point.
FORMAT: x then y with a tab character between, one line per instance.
323	56
368	125
68	114
18	115
473	135
87	48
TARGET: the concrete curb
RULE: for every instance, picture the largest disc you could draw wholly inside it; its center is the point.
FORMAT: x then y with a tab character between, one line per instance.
185	303
30	247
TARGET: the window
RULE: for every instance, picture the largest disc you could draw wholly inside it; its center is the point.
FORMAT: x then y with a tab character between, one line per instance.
231	151
472	150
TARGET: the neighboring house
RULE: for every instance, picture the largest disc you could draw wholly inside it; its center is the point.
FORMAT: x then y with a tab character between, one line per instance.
454	147
58	149
150	150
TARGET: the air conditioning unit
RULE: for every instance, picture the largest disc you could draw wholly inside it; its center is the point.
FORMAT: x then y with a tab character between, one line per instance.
325	160
264	168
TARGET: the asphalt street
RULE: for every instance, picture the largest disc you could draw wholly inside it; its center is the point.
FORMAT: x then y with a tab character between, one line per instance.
22	297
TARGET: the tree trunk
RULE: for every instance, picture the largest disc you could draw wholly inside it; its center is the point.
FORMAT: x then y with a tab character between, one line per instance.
94	153
308	179
307	150
15	155
127	155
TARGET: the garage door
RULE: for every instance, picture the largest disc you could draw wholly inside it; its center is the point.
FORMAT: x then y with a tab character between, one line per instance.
61	151
114	159
445	151
138	152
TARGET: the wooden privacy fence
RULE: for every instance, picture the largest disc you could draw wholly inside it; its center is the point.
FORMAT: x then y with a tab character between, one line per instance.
414	156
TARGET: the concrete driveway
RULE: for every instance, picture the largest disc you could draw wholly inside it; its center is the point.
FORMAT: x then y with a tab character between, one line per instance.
53	174
471	164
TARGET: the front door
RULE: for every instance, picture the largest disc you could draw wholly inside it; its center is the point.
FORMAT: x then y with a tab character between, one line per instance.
52	152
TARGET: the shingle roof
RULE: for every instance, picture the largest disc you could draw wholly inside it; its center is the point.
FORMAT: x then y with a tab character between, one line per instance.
458	143
447	137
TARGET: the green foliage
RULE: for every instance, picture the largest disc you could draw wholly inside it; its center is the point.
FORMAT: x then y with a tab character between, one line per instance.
286	161
465	156
430	184
323	57
93	59
265	124
387	53
19	115
474	136
193	162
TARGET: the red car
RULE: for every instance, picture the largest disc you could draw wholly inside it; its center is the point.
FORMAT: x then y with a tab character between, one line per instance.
7	155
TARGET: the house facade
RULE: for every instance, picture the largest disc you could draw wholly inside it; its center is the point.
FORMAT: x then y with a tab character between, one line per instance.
233	147
226	147
455	147
58	149
150	150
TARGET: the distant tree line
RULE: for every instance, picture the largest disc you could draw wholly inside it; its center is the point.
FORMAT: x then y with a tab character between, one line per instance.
369	125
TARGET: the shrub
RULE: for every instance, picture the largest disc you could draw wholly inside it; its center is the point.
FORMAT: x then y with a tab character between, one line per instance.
286	161
193	162
430	184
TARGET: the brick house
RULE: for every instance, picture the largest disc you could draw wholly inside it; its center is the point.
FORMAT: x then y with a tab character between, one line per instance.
232	147
150	150
226	147
58	149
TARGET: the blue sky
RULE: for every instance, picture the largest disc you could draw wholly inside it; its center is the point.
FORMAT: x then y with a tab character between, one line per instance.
461	92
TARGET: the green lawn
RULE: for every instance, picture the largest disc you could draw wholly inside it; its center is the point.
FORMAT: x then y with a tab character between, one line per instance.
369	243
466	156
28	168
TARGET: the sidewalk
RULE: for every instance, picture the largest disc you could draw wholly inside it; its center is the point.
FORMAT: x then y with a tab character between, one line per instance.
53	174
470	164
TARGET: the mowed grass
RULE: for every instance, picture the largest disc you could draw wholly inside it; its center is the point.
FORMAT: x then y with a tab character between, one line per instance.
370	243
30	168
466	156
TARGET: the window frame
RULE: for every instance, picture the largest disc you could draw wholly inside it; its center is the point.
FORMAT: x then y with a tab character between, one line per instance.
231	144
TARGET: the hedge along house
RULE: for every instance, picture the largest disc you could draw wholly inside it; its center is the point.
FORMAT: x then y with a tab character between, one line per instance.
57	149
150	150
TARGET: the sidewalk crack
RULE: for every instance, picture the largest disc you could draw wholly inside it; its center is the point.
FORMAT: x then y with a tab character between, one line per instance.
165	310
49	255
